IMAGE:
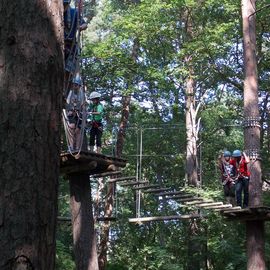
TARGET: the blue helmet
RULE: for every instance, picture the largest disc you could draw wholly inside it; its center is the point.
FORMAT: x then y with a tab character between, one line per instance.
237	153
66	1
227	154
77	80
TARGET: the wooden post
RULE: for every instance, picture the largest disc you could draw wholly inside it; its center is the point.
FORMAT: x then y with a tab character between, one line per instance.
84	237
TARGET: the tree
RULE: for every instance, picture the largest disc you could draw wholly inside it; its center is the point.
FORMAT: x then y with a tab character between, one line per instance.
255	229
31	85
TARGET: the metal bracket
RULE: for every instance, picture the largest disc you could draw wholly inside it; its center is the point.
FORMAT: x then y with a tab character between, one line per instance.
250	122
253	154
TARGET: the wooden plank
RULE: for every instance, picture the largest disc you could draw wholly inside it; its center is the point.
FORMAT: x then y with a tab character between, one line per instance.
133	183
233	208
171	193
183	196
224	206
79	168
199	202
163	218
210	204
156	190
145	187
106	174
122	179
184	200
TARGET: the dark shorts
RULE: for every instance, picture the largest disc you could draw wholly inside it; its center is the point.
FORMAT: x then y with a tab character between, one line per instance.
75	118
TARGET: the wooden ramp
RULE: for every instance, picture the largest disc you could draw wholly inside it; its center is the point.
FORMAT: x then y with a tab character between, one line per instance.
89	162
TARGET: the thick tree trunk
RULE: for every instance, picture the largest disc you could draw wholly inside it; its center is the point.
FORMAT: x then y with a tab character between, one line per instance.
31	83
255	229
191	131
84	236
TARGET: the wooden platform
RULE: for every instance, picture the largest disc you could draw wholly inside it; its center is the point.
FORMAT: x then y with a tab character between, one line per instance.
252	213
89	162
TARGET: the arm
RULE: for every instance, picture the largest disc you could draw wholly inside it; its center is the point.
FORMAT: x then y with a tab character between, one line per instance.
246	157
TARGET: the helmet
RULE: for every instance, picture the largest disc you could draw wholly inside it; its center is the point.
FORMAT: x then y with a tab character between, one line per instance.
66	1
77	80
94	95
227	154
237	153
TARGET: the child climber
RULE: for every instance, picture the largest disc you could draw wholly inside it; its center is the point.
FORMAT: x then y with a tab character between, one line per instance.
95	116
228	174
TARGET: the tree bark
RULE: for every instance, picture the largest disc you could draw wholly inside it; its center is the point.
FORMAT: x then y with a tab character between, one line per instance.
84	236
31	84
191	131
255	229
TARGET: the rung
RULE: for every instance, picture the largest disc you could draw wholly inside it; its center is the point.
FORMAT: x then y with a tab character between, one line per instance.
210	204
192	199
161	218
235	208
106	218
145	187
122	179
224	206
184	196
133	183
195	203
156	190
171	193
106	174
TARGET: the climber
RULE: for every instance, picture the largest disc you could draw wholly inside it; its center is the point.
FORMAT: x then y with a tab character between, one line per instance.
240	161
74	107
95	111
228	174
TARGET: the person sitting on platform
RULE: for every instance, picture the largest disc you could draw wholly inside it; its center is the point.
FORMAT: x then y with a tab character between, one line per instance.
96	111
74	107
240	162
228	174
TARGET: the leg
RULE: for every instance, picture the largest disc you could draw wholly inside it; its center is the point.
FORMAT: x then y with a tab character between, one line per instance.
245	187
78	138
238	190
99	135
92	139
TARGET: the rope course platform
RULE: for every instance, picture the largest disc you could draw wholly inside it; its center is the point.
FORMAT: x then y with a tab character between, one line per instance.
89	162
251	213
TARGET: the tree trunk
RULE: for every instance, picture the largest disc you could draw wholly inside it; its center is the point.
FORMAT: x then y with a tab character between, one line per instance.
84	236
123	125
191	131
31	83
255	229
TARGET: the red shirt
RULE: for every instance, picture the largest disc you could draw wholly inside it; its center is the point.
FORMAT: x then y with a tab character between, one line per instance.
241	168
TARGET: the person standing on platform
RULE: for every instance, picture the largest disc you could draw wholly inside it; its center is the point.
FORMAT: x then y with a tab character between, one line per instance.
95	111
240	161
228	174
74	107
